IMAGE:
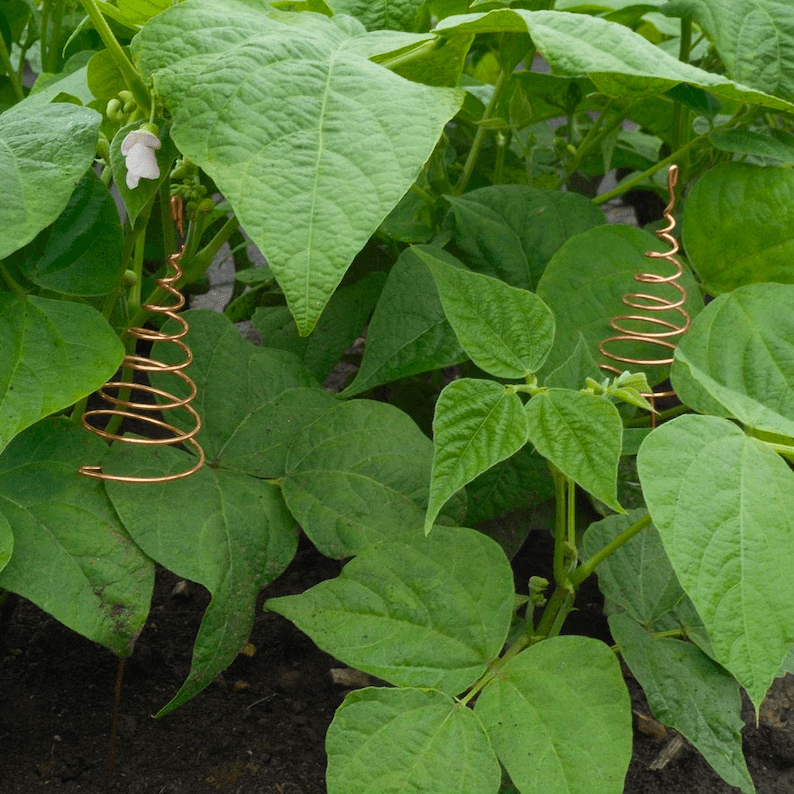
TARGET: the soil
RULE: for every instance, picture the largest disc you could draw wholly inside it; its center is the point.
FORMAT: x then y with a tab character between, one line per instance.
259	728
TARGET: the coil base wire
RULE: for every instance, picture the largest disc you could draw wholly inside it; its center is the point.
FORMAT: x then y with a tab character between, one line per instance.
654	304
142	411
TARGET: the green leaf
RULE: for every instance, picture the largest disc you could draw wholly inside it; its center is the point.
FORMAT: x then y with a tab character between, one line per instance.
238	384
723	504
506	331
408	332
511	231
380	14
584	285
6	541
573	372
54	353
44	152
389	740
310	180
414	613
139	12
477	424
229	532
619	61
341	323
755	39
690	693
80	254
738	226
582	436
71	556
103	76
740	350
638	580
559	717
137	199
356	475
753	143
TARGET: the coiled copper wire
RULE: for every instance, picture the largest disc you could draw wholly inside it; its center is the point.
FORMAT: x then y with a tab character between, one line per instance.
654	304
141	411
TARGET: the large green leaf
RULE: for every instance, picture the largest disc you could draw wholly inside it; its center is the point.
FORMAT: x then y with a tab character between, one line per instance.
619	61
511	231
311	143
415	613
690	693
740	350
409	332
229	532
356	475
584	285
755	39
638	580
380	14
738	226
80	254
559	717
582	436
477	424
724	505
506	331
54	353
239	384
44	152
71	555
405	740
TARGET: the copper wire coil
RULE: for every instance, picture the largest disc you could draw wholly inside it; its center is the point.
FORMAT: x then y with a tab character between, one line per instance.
644	302
141	411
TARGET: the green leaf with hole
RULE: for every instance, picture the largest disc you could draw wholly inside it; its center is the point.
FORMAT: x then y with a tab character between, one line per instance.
477	424
724	505
80	254
689	693
582	436
584	285
506	331
44	152
311	142
738	226
511	231
408	740
619	61
54	353
755	39
229	532
559	717
447	617
409	332
71	556
741	351
356	475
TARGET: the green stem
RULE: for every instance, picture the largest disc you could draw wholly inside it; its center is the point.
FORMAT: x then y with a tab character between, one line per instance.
630	183
52	58
479	136
586	568
560	523
593	137
128	71
5	61
681	112
662	416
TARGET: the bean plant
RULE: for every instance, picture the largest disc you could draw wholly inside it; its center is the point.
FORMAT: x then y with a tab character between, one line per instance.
424	174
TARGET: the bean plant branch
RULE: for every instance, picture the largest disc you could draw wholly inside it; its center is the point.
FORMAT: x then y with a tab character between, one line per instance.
5	62
128	71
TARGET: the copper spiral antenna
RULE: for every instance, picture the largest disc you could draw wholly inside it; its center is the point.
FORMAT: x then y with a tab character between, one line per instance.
142	411
653	305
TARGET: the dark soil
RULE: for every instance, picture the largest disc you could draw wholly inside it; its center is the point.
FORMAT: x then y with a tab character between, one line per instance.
259	728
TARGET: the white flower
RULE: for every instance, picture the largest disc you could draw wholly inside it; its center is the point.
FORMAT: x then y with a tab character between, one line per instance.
138	149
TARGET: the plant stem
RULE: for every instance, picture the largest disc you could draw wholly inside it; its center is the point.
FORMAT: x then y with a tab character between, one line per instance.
8	278
593	137
128	71
560	523
50	58
680	111
662	416
479	137
630	183
586	568
5	62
